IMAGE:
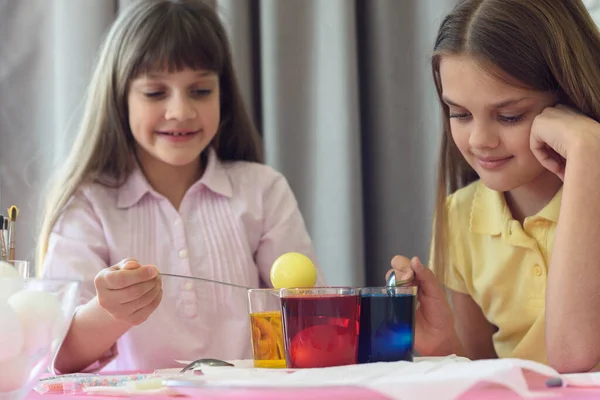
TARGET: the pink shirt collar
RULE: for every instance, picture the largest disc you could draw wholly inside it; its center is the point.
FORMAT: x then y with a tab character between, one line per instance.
215	178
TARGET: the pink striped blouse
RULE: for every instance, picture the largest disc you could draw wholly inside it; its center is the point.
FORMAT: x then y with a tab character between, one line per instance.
231	226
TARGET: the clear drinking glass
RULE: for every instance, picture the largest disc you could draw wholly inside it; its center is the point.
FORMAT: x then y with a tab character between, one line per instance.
387	324
23	268
266	328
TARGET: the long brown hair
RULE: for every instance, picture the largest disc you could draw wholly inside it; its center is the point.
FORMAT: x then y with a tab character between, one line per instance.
545	45
148	35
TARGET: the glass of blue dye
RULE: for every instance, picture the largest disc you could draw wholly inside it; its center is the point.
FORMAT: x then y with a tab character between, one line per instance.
387	324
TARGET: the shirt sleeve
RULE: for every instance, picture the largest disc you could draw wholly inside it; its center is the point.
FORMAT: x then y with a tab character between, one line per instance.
455	280
453	276
456	262
77	250
284	230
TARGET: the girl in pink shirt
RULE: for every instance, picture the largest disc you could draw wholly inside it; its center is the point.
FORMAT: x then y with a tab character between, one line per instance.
165	174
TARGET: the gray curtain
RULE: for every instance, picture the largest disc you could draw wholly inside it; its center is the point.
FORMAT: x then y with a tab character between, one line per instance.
340	89
344	99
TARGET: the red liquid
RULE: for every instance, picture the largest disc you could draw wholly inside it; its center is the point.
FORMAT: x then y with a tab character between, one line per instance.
320	331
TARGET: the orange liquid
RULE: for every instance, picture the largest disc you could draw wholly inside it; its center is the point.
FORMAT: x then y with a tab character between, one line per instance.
267	339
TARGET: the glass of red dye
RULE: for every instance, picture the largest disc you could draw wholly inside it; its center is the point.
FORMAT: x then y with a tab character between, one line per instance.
320	326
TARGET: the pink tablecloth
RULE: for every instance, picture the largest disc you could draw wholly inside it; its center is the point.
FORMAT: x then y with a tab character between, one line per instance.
481	392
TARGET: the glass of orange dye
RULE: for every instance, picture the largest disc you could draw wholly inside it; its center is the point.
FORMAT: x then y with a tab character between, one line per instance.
266	328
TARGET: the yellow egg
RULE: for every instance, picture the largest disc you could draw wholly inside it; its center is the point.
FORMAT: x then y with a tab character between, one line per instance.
293	270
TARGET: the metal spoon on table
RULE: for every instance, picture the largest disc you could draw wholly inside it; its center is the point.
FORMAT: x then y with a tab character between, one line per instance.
206	362
187	382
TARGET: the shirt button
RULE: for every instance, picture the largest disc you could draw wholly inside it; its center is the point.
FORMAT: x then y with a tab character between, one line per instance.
177	221
537	270
188	285
183	253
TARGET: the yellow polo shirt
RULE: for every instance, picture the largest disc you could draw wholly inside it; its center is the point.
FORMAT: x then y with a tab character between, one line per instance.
503	266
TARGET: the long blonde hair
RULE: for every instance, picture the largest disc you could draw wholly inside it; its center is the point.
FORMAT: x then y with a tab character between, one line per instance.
149	35
545	45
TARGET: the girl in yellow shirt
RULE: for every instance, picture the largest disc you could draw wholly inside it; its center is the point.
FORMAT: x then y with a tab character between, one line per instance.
519	86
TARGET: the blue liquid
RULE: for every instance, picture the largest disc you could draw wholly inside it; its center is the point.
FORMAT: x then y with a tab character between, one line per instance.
386	328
